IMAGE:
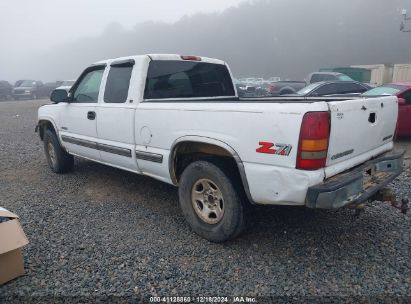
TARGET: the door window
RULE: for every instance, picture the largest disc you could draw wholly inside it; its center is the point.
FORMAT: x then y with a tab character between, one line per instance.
88	89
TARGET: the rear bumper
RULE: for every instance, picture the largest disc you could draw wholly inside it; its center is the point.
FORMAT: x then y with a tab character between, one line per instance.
357	185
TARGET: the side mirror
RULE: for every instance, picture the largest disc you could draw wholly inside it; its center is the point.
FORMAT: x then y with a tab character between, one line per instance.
401	101
314	94
59	95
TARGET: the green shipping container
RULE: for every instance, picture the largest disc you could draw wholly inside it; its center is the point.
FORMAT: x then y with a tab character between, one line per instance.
358	74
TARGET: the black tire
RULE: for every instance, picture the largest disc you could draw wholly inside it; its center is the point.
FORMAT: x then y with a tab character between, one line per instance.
61	161
233	219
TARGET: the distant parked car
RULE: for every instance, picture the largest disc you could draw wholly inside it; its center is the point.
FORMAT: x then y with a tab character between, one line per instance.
284	87
252	81
325	76
47	88
28	89
243	89
403	91
247	91
262	89
330	88
67	84
6	90
18	83
274	79
259	81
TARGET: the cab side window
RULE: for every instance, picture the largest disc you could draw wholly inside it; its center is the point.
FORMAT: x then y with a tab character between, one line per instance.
118	82
88	89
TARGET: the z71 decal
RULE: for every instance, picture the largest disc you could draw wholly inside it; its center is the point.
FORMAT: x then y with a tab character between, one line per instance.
271	148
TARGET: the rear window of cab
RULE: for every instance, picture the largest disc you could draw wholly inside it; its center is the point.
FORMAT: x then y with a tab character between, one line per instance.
187	79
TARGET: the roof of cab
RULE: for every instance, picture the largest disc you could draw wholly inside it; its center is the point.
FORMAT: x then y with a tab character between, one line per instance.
160	57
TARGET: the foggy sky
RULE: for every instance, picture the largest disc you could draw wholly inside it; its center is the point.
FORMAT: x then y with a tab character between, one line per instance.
50	40
32	28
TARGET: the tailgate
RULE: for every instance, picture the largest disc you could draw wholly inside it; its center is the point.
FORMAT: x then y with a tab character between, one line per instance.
359	126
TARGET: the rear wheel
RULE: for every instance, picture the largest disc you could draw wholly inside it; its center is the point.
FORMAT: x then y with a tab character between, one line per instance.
211	203
58	159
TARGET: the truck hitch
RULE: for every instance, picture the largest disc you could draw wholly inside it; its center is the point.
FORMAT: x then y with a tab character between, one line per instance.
386	195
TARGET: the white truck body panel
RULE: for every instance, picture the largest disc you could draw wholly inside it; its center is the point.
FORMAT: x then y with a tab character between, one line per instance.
249	124
351	128
74	124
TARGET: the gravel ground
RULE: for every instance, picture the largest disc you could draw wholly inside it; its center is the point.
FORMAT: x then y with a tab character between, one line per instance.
100	232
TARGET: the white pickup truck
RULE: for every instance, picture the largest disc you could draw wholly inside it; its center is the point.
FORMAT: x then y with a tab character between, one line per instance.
178	119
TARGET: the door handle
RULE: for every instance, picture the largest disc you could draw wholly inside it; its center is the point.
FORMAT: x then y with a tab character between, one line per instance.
91	115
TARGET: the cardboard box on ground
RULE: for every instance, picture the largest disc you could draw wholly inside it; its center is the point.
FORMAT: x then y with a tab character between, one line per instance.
12	238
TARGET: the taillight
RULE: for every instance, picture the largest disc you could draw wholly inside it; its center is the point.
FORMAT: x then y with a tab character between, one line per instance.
193	58
313	142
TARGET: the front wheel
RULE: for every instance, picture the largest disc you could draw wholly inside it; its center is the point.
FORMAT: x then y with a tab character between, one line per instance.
58	159
211	202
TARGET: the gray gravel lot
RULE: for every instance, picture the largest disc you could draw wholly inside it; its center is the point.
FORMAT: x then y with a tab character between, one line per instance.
100	232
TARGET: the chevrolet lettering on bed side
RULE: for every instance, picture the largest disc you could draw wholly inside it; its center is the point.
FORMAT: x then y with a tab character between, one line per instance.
179	119
342	154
